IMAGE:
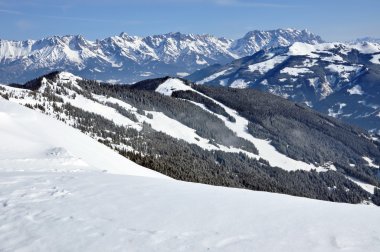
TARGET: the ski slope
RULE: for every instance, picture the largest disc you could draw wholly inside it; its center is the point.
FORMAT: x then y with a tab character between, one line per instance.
34	141
240	128
56	196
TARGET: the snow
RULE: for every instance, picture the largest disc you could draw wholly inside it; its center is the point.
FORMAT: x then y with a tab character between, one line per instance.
162	123
365	186
68	215
171	85
333	58
370	162
201	61
265	66
355	90
312	51
343	70
264	82
313	82
146	74
366	47
295	71
301	49
107	112
182	74
339	111
224	82
105	212
375	59
30	140
239	127
239	83
266	150
90	210
213	76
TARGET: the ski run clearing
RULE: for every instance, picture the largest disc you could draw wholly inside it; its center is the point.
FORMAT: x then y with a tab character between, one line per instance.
67	192
266	150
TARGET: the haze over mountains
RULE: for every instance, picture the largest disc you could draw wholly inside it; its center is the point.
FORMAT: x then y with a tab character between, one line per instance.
127	59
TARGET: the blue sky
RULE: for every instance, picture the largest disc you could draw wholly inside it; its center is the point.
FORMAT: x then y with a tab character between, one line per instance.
332	19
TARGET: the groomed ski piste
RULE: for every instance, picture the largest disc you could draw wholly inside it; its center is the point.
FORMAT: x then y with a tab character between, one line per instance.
61	190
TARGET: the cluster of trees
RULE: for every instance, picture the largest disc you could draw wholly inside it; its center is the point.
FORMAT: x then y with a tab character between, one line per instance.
209	104
301	133
183	161
206	125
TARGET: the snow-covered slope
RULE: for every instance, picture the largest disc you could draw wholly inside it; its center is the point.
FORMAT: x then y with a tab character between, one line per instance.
66	209
335	78
100	212
31	141
127	59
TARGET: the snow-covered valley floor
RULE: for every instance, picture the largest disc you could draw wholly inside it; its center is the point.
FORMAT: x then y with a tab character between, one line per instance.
62	191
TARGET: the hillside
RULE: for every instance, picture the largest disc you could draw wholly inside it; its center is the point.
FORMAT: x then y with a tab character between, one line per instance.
78	207
200	134
339	80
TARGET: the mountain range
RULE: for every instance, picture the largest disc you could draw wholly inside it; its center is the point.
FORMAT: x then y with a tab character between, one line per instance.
241	138
337	79
127	59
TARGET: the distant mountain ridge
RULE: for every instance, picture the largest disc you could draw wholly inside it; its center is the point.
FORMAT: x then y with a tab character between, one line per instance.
337	79
127	59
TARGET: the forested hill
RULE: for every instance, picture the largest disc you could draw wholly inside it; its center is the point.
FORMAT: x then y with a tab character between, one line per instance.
220	136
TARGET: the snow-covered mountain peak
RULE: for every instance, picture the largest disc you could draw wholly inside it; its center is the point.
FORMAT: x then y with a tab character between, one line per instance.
68	77
125	58
319	75
171	85
256	40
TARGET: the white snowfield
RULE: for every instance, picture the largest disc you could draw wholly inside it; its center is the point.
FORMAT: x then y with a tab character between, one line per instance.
31	141
67	209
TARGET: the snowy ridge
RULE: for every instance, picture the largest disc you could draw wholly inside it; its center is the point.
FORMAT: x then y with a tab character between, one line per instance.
320	75
127	59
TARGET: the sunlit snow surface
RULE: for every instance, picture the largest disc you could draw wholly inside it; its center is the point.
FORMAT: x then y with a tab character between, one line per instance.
31	141
90	210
